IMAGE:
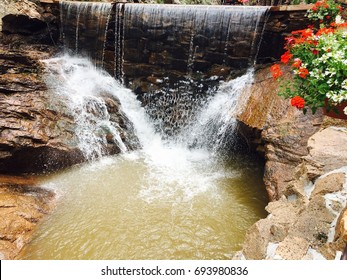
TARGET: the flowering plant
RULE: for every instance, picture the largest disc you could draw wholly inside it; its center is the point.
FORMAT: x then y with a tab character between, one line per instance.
318	58
324	11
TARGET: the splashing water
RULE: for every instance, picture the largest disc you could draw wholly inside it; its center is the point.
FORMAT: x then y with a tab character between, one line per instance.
164	201
83	88
215	124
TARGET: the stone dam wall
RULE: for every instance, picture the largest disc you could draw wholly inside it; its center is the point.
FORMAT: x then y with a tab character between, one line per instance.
147	50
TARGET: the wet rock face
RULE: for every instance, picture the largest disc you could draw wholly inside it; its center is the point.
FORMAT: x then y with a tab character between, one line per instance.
22	206
34	137
284	131
31	22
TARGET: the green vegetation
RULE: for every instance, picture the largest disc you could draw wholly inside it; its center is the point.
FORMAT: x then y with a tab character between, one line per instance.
317	55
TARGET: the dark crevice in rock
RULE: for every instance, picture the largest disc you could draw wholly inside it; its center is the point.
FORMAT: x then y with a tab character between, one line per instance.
29	219
21	24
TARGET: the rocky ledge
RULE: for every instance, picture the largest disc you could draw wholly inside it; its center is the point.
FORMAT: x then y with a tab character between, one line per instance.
24	205
34	137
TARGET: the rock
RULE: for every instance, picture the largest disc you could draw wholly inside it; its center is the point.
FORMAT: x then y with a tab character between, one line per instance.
283	211
292	248
328	149
309	220
294	224
256	240
29	21
34	137
329	184
313	223
341	226
284	131
22	207
23	16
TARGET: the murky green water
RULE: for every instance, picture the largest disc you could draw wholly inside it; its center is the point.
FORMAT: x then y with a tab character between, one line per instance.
172	204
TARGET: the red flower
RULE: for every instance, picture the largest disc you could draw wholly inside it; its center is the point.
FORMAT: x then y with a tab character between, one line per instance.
298	102
297	63
314	8
327	17
285	58
276	71
325	30
315	52
303	72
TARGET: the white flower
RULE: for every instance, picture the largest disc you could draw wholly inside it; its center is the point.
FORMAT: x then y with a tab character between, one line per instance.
339	19
345	110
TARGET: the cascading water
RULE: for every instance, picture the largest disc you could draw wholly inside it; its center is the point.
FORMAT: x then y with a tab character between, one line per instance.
195	26
191	41
85	91
215	123
185	44
83	28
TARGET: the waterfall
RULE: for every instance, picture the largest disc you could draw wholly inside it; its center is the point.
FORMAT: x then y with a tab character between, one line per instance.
88	94
83	28
190	48
189	51
85	90
195	26
177	194
174	196
214	125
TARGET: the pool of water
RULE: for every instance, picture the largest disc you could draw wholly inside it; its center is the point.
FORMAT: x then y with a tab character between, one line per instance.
173	203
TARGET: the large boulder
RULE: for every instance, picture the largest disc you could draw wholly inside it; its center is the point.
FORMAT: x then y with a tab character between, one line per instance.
23	20
325	150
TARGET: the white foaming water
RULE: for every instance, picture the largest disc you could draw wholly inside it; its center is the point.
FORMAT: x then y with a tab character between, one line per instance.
82	86
198	169
174	167
215	124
